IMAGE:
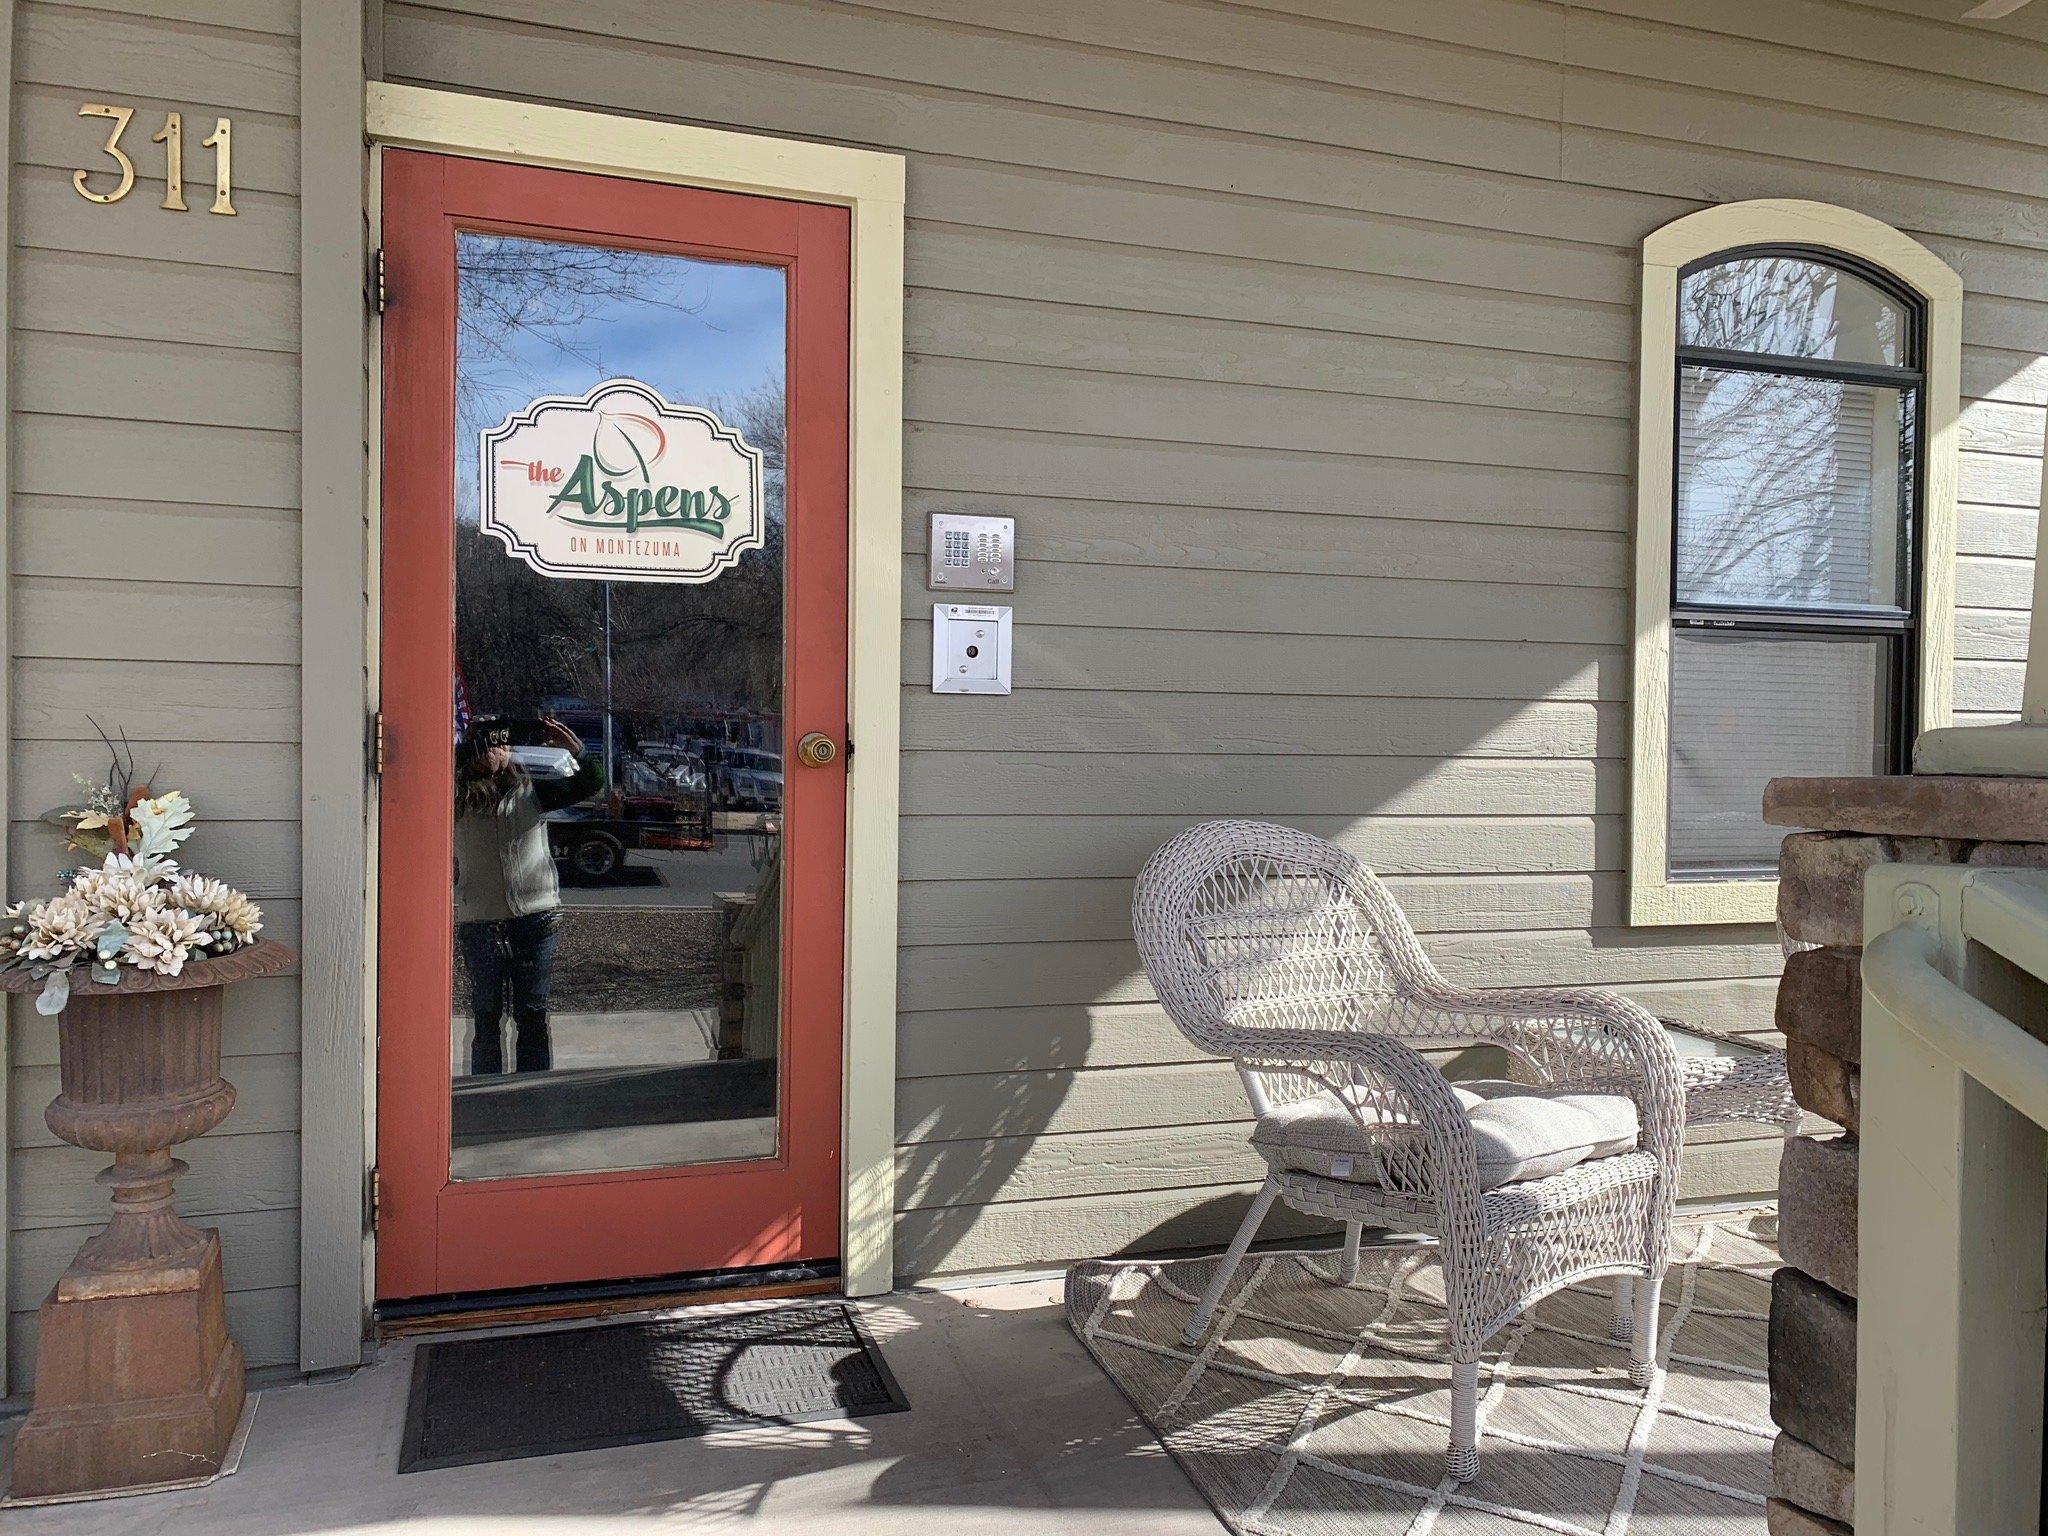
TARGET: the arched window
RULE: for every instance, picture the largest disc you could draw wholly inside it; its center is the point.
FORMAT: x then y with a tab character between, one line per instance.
1795	502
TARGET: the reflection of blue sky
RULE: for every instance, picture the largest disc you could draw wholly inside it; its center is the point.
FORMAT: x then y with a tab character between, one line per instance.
699	332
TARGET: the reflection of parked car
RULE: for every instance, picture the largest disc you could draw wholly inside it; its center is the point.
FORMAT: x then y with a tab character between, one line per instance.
648	808
749	779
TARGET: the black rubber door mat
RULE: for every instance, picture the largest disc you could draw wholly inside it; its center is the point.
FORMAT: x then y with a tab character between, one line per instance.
670	1378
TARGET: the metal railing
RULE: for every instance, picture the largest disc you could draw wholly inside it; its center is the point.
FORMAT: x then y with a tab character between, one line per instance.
1952	1303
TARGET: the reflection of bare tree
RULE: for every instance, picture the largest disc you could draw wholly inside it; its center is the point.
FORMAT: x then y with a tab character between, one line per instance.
1789	486
508	286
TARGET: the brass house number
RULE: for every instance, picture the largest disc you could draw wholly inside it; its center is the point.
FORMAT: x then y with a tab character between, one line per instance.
172	137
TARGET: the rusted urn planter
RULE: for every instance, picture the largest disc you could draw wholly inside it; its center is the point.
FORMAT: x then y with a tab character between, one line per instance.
137	1381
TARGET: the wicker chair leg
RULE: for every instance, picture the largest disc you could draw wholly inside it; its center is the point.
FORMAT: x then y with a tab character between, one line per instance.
1623	1324
1353	1232
1464	1457
1642	1352
1232	1257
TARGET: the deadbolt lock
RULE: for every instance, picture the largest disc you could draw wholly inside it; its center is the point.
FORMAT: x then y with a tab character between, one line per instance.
816	749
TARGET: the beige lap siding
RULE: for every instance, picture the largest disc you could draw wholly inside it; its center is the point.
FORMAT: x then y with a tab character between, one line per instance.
1298	337
155	553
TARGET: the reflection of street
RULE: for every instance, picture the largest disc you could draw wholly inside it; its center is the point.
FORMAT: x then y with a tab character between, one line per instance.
685	878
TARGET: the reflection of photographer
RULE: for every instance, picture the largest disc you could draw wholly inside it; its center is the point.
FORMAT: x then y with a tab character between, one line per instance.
506	895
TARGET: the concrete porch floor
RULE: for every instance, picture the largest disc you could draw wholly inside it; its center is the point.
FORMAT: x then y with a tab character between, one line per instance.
1012	1428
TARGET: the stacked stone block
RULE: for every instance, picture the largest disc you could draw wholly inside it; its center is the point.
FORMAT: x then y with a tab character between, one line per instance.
1850	826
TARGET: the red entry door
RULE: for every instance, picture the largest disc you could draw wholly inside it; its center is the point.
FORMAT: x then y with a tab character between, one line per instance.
614	601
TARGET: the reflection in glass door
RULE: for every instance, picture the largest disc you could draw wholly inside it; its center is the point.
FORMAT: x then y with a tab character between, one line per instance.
618	714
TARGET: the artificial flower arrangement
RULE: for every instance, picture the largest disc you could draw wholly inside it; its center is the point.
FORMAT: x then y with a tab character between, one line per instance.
137	907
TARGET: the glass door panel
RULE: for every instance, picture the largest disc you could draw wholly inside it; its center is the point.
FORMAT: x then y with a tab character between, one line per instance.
619	541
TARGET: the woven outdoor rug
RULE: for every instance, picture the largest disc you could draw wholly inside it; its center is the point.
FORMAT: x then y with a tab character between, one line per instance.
1312	1410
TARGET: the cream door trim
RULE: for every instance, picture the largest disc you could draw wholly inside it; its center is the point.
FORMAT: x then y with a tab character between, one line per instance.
871	185
1654	898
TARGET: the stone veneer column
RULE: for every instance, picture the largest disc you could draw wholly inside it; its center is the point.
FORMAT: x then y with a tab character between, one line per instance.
1849	826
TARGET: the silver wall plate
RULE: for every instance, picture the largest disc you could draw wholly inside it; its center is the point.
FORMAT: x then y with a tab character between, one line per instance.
970	553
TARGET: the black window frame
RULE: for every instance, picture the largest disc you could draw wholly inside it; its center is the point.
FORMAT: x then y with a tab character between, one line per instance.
1901	624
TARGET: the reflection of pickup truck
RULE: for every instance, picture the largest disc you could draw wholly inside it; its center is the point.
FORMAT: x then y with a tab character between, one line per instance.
654	805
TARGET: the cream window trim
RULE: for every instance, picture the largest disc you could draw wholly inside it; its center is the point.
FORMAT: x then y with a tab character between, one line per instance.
871	185
1654	898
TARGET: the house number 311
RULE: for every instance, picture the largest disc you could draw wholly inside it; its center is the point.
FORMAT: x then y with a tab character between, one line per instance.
172	137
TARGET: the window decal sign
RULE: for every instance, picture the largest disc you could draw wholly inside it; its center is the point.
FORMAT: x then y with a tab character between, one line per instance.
621	485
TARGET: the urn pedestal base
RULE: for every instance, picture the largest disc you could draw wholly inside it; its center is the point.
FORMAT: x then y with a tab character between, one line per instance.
137	1381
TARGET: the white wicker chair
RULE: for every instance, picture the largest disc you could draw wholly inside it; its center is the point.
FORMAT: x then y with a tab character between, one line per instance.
1284	953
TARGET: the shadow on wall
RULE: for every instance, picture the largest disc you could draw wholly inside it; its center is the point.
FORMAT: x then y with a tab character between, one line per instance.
1463	729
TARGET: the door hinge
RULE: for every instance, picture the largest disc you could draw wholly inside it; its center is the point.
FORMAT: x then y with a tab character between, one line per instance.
849	749
376	1200
376	744
379	294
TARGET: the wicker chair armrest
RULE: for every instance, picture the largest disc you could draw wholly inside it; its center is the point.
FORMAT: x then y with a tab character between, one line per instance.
1591	1035
1423	1096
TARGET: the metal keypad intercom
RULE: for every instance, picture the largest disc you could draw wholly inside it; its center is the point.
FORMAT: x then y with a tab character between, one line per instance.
970	553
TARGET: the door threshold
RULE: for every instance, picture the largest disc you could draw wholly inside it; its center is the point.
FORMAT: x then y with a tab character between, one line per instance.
576	1303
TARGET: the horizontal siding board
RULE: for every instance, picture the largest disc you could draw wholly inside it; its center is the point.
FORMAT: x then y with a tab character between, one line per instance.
259	858
1399	63
856	63
1045	911
53	1185
120	56
1309	603
205	386
259	1251
263	236
1081	404
1052	845
228	781
1119	211
1125	784
1711	173
58	699
1107	970
1978	56
1143	661
185	621
1848	146
76	536
155	300
1990	582
937	1175
266	1098
1071	532
1700	57
985	459
1060	269
280	17
259	1017
135	460
1073	720
1103	338
1073	1037
2007	531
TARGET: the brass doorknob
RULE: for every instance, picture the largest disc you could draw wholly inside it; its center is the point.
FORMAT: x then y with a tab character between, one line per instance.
816	749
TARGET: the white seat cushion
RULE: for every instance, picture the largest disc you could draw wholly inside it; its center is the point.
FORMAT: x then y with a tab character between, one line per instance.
1519	1132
